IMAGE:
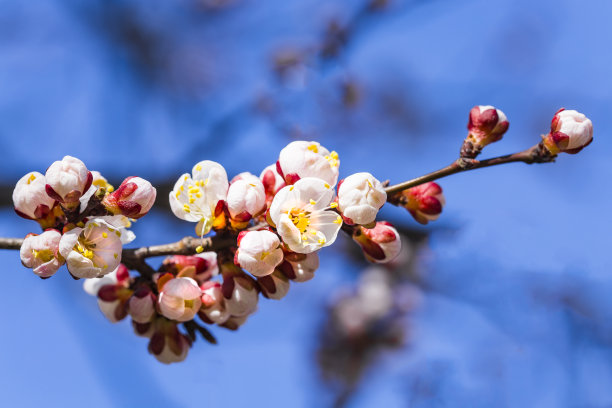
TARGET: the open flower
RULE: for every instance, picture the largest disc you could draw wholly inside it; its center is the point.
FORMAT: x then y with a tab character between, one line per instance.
303	216
259	252
179	299
200	197
570	132
302	159
30	198
134	198
92	251
380	244
40	252
360	196
246	198
67	180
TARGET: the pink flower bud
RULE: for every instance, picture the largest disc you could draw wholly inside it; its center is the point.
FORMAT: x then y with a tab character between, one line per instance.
274	286
141	305
240	293
259	252
379	244
424	202
113	298
205	265
213	308
180	299
67	180
360	196
302	159
246	197
234	322
570	132
486	125
134	198
144	329
30	197
40	252
167	343
272	182
299	267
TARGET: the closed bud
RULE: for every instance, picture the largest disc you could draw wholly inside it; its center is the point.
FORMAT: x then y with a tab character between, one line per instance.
259	252
274	286
179	299
486	125
67	180
272	182
299	267
30	197
360	196
134	198
239	291
41	253
424	202
168	344
380	244
234	322
570	132
141	305
213	308
246	198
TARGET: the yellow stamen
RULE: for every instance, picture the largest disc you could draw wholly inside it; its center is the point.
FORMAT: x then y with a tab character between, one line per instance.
199	167
31	178
45	255
104	235
322	241
186	208
312	202
299	218
313	148
115	256
327	185
291	188
338	220
200	249
333	205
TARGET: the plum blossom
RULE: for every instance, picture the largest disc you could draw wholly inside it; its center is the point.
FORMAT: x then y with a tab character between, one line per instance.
259	252
272	181
380	244
299	267
485	126
303	216
167	343
213	308
30	197
246	197
424	202
302	159
98	181
200	197
134	198
274	286
113	293
91	251
141	305
40	252
67	180
179	299
360	196
570	132
239	291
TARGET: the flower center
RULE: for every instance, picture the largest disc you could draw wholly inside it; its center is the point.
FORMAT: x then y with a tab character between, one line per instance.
44	255
300	218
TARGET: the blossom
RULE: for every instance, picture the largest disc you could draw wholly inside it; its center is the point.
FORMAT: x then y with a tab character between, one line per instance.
213	308
200	197
67	180
424	202
570	132
98	181
134	198
274	286
259	252
379	244
93	285
234	322
167	343
303	216
30	197
113	293
299	267
246	197
272	181
239	291
141	305
302	159
485	126
179	299
204	265
92	251
40	252
360	196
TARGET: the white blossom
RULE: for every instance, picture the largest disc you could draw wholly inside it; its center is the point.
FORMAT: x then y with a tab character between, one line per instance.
360	196
302	159
259	252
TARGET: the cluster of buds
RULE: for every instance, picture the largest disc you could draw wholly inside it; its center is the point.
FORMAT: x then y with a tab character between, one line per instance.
84	221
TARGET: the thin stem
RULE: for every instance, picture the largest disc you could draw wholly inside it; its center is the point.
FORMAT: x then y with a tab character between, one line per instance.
535	154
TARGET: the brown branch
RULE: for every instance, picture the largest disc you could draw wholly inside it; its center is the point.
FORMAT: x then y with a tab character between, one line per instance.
535	154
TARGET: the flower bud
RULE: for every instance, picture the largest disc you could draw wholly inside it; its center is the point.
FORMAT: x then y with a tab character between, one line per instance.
272	182
167	343
40	252
213	308
307	159
141	305
134	198
486	125
179	299
246	198
113	301
360	196
570	132
274	286
121	275
234	322
239	291
299	267
67	180
30	197
379	244
205	265
98	181
424	202
259	252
